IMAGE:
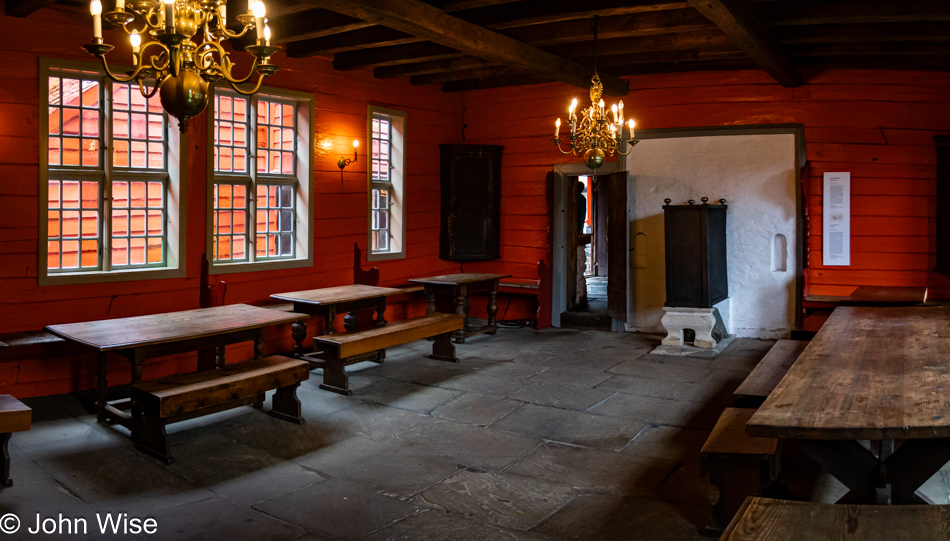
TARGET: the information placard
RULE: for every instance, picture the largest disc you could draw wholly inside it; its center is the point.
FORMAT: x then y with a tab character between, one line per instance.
836	223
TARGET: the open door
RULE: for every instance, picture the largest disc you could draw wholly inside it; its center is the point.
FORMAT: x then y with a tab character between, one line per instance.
616	196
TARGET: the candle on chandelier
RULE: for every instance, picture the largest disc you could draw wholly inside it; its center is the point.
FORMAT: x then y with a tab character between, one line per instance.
169	16
259	11
557	128
631	128
601	105
620	111
267	39
95	8
136	40
613	109
120	5
223	13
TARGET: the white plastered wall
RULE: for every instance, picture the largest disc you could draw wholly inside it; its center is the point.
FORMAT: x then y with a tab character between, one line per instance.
756	174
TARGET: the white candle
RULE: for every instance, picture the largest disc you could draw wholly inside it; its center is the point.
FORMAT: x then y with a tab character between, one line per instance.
120	5
557	128
356	143
259	12
613	109
96	9
631	129
169	16
223	13
267	42
136	40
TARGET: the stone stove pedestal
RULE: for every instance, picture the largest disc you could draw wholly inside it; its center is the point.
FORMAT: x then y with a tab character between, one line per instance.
701	320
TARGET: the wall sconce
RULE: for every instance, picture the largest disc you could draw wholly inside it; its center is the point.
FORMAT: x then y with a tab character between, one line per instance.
343	162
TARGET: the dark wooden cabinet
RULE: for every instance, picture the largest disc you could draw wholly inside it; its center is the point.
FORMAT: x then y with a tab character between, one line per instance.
471	202
695	255
943	202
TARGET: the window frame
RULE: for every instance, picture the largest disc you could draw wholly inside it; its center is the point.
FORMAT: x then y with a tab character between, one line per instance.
304	201
398	124
175	196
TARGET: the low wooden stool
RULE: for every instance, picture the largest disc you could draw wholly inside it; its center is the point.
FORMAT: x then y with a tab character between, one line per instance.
15	416
738	465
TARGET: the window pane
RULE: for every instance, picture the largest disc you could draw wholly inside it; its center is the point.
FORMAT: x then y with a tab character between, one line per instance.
138	128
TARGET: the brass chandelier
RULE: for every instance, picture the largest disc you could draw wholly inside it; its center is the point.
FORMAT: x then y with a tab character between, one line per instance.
179	67
596	136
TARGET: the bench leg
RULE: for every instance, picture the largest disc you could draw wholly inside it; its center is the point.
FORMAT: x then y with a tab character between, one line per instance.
443	349
285	404
259	402
5	478
334	377
736	480
152	439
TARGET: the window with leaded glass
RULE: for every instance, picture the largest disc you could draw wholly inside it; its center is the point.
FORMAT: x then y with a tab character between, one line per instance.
254	208
106	211
386	134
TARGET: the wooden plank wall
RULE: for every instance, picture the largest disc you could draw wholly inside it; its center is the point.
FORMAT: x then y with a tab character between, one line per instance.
340	98
877	124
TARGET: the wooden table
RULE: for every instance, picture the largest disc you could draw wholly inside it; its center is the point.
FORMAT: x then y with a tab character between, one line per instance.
460	286
878	374
143	337
329	301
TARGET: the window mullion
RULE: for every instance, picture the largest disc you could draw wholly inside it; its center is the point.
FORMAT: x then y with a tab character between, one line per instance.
251	226
105	129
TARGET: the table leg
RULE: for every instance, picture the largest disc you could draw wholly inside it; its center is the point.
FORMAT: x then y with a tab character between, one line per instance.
219	356
912	464
331	316
298	330
430	299
381	313
492	309
102	386
848	462
461	308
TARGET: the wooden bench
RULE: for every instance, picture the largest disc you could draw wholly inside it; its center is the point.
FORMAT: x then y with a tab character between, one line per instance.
33	343
184	396
766	375
764	519
15	416
738	465
342	349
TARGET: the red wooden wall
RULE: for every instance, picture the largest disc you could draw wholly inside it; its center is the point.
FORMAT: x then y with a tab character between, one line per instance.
340	99
879	125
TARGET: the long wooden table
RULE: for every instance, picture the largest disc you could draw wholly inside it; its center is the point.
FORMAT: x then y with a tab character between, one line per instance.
878	374
143	337
459	287
327	302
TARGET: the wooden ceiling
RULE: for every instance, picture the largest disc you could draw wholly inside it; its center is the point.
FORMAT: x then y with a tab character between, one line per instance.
470	44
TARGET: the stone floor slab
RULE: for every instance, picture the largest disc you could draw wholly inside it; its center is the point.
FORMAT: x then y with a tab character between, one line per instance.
564	388
338	509
683	444
656	410
467	445
440	526
221	519
652	366
392	470
477	409
578	428
407	396
619	518
502	500
594	470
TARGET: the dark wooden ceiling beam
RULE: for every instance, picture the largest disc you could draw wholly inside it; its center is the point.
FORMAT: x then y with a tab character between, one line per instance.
806	12
892	62
869	48
529	12
737	22
459	5
461	75
434	66
390	56
431	23
311	24
861	33
22	8
641	24
643	44
373	36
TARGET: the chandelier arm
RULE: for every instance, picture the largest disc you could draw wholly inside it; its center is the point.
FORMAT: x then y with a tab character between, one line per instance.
629	150
557	143
148	95
134	75
257	87
233	35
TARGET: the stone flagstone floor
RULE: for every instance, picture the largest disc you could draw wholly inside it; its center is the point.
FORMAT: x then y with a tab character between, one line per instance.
552	435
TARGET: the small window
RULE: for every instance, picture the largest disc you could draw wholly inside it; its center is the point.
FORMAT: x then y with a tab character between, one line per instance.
386	192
